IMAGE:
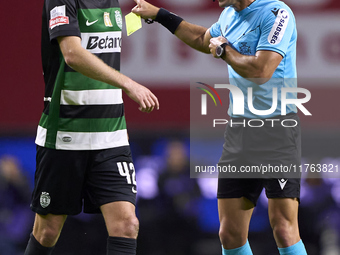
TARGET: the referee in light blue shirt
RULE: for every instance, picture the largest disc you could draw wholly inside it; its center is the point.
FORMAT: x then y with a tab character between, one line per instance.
251	30
257	42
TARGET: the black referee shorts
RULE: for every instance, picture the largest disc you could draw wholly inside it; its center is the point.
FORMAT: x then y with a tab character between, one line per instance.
64	180
261	157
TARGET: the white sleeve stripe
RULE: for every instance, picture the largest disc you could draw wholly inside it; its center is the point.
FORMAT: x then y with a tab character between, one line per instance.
91	97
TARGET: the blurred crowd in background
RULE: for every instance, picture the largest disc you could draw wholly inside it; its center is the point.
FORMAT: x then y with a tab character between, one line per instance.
178	214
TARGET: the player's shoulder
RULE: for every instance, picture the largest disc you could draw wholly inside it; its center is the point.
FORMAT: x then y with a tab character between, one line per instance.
274	5
271	10
60	2
227	13
228	10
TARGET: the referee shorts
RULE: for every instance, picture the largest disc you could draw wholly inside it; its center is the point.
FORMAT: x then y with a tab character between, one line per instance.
274	146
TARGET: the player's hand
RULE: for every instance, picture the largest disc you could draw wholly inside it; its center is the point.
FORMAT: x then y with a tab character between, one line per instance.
143	96
214	42
145	10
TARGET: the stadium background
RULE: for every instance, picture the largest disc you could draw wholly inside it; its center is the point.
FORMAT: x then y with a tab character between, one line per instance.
167	204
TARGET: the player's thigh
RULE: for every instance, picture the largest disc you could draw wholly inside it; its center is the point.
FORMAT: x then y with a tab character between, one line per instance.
283	200
235	215
283	216
283	210
118	211
48	227
120	219
236	201
235	212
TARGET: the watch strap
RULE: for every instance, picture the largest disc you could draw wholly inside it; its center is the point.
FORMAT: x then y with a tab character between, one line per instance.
223	45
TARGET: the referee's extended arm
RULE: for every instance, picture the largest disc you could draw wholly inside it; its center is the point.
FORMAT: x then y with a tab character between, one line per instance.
197	37
259	68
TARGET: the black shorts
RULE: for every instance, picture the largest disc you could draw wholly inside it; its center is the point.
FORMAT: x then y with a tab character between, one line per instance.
65	179
252	188
270	151
263	157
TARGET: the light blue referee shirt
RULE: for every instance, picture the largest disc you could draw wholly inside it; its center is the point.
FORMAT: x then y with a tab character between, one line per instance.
264	25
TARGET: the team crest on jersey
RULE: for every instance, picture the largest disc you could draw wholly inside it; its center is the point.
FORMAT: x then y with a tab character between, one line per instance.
58	17
280	25
245	49
107	19
45	199
119	19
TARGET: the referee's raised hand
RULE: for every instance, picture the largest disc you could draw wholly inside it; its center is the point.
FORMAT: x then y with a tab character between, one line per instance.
145	9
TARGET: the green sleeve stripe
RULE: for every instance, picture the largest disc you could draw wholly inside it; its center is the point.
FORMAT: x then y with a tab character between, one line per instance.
87	125
73	79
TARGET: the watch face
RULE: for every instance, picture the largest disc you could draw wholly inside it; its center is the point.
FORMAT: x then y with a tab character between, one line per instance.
219	51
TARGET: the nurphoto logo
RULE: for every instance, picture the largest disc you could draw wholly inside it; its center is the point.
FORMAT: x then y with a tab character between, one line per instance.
281	98
238	100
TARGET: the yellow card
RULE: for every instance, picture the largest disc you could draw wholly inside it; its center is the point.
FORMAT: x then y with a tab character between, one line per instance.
133	23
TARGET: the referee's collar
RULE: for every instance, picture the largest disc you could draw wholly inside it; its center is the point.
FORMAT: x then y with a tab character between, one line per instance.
249	7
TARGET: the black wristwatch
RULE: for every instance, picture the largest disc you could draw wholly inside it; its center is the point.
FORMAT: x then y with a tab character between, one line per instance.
220	49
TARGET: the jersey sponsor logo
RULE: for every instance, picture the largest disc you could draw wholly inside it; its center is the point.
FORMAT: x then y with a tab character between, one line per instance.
102	42
107	19
58	17
283	183
280	25
119	19
45	199
90	23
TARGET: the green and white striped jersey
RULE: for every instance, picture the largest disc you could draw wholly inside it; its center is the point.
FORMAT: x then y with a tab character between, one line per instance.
81	113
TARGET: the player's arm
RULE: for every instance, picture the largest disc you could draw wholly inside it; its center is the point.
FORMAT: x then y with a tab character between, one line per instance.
91	66
259	68
197	37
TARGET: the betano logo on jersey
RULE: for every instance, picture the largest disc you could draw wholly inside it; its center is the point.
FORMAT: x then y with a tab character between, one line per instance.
276	34
107	42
